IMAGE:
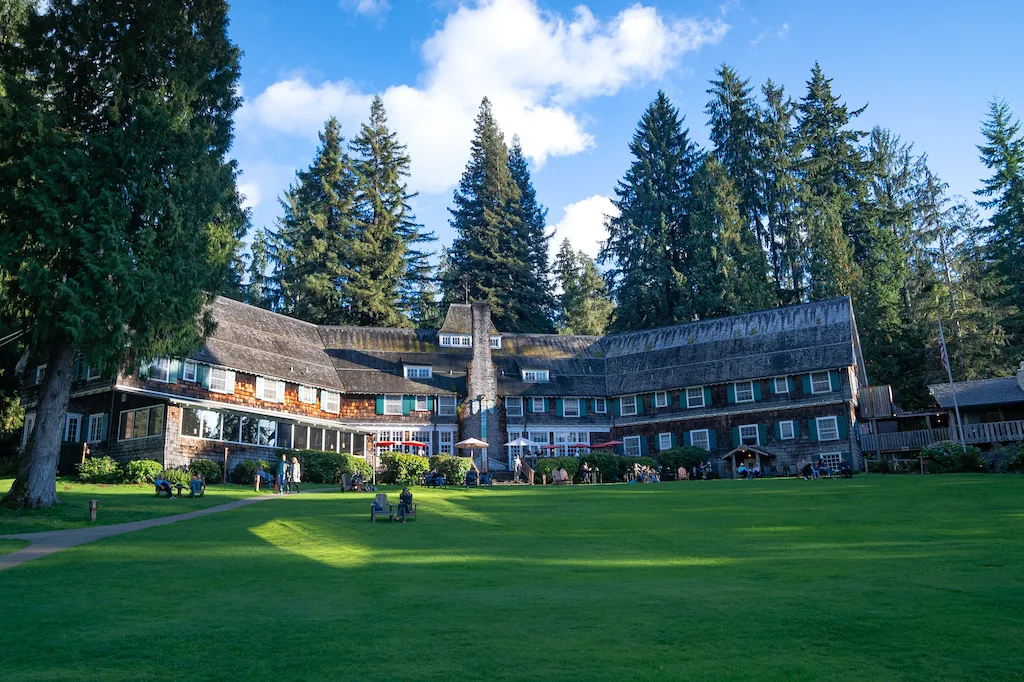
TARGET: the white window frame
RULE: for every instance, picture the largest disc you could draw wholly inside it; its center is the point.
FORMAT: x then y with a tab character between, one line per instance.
148	410
757	435
77	419
40	373
631	446
565	407
736	391
446	442
160	364
632	402
600	406
514	406
189	370
390	409
689	397
828	382
706	445
539	376
833	425
792	430
307	394
455	340
28	427
278	386
222	375
496	342
92	373
832	460
95	432
661	398
419	372
784	382
663	438
330	402
421	404
447	405
535	403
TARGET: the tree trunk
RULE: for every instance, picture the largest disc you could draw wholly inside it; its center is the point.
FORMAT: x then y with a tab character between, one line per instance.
36	484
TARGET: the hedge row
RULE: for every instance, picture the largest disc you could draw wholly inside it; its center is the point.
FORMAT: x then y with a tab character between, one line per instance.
107	470
402	469
454	469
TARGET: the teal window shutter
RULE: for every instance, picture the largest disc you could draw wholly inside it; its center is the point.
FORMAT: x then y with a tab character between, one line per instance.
757	391
735	436
260	382
173	371
712	441
583	408
229	380
707	396
806	379
789	383
668	398
843	431
686	438
639	404
796	428
408	403
203	377
732	393
643	446
771	386
675	441
812	429
833	377
778	430
380	404
559	407
762	434
617	406
430	403
545	405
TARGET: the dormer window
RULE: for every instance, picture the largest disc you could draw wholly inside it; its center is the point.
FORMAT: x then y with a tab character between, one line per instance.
496	342
536	375
455	340
418	371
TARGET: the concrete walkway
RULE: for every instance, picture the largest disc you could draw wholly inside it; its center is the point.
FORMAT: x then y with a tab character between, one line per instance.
53	541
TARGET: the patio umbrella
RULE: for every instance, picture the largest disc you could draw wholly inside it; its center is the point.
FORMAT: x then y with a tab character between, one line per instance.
413	444
520	443
384	443
550	447
609	444
471	444
580	445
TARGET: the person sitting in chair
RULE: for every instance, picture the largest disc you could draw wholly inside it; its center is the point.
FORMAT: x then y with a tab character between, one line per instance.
471	477
163	485
195	486
404	503
741	470
845	470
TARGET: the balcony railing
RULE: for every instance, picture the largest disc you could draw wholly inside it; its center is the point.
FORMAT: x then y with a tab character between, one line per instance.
903	441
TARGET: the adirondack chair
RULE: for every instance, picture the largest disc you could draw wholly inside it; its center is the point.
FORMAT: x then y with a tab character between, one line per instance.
381	507
346	483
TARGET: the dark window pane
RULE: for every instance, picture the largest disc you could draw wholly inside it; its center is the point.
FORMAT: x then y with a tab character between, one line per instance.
250	430
141	423
268	432
331	443
300	440
231	427
156	420
125	430
189	422
316	438
284	435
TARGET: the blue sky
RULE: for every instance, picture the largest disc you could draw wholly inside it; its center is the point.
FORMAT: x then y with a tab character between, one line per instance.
572	79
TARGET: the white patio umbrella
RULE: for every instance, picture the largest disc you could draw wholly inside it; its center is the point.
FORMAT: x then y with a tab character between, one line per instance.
520	443
471	444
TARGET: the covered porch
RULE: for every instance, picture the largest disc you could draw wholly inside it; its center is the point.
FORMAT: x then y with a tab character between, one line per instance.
750	456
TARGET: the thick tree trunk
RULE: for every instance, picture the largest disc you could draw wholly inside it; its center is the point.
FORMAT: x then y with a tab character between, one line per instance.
36	484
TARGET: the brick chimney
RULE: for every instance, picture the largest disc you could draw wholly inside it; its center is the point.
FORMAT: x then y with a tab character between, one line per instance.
482	391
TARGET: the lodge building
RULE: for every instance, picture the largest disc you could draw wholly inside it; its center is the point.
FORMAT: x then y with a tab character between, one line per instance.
776	387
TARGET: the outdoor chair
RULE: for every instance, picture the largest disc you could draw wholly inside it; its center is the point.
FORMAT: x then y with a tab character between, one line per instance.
346	483
381	507
682	475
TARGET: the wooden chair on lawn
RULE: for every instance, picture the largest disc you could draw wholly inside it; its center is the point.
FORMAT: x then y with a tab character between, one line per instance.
381	507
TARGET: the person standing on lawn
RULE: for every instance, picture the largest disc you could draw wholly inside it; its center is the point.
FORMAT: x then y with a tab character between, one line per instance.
282	475
296	471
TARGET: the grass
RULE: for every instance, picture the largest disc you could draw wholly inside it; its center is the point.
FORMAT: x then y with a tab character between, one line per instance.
878	578
8	546
115	504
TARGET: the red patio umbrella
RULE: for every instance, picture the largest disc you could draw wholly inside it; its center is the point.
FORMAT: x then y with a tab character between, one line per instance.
385	443
550	447
413	444
609	444
581	445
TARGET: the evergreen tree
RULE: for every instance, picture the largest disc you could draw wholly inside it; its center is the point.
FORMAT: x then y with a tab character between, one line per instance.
650	246
1003	193
118	205
386	269
259	290
583	306
535	303
310	245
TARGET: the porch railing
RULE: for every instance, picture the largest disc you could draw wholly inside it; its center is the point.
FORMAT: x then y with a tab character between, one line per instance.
905	441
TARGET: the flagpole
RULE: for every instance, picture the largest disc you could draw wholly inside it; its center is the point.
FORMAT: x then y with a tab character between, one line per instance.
952	386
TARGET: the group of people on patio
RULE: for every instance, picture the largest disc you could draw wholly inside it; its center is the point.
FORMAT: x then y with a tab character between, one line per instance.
818	469
753	472
642	473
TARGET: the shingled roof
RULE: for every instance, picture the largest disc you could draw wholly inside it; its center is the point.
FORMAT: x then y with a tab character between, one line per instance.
999	391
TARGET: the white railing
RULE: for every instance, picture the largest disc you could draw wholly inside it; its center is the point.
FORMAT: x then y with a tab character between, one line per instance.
904	441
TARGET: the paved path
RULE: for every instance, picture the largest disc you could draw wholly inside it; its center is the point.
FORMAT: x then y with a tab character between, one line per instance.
53	541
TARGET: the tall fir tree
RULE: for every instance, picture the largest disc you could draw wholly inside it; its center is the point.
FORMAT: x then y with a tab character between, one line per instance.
308	249
386	267
117	197
650	247
583	306
535	303
259	290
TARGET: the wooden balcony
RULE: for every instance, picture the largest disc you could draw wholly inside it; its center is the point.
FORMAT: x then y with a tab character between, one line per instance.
974	434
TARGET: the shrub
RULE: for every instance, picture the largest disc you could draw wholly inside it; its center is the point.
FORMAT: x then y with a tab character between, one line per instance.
245	471
141	470
688	457
546	464
319	466
1015	459
403	469
99	470
207	469
1009	457
454	469
949	457
605	461
177	476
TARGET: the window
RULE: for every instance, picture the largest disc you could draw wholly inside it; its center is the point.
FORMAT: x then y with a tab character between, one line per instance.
537	405
30	425
695	397
447	439
421	404
821	382
232	427
496	342
700	438
832	460
571	407
307	394
266	389
566	439
744	391
749	435
514	406
828	428
300	437
92	373
72	427
418	372
456	340
143	422
538	375
601	406
629	406
97	428
664	441
316	438
330	401
211	425
268	432
219	380
661	399
787	430
631	446
446	405
188	371
40	373
781	385
160	370
392	404
284	437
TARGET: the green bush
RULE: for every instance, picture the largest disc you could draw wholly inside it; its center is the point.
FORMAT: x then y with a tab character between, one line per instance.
687	456
949	457
99	470
605	461
1008	457
177	476
245	471
142	470
401	468
319	466
1014	460
546	464
207	469
454	469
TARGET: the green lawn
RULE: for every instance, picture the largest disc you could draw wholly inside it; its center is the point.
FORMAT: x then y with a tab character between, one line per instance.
879	578
115	504
8	546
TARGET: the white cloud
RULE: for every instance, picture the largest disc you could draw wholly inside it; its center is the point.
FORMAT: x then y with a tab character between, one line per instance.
535	66
369	7
782	33
583	225
251	196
